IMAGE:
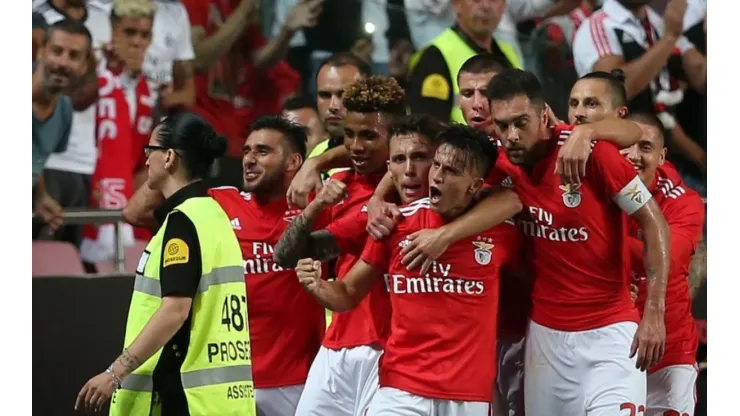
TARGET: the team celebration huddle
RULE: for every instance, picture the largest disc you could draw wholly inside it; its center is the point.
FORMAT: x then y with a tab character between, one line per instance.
514	264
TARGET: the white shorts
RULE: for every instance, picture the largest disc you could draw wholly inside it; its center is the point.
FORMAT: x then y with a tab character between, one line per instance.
278	401
672	388
393	402
582	373
508	393
340	383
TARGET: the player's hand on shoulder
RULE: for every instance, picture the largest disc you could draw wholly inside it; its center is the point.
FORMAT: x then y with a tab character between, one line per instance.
306	181
649	341
308	272
381	218
423	248
573	155
332	193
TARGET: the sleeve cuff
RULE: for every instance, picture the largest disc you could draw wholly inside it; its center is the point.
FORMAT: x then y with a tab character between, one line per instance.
684	45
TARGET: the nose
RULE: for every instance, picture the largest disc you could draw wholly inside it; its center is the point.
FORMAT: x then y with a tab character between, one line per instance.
335	104
435	175
248	159
409	171
512	134
632	154
479	101
356	146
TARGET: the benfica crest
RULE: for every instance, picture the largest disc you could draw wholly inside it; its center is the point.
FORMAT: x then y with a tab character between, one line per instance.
571	196
483	250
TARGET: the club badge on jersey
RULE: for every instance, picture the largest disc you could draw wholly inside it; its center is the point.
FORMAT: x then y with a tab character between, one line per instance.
483	251
571	195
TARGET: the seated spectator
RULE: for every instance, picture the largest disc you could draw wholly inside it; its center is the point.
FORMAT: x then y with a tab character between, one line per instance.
67	175
655	57
303	111
229	52
63	58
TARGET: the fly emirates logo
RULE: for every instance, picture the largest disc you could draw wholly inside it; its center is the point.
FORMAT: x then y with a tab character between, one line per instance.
261	260
541	225
438	280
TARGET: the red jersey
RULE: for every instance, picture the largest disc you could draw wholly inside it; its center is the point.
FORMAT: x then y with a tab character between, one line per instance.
368	323
684	212
443	325
286	324
578	236
217	90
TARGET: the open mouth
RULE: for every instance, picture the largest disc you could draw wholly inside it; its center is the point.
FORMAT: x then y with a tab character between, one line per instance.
478	119
435	195
250	176
411	190
359	162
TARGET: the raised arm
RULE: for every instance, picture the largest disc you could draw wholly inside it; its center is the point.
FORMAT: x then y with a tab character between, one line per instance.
209	49
139	211
308	178
299	241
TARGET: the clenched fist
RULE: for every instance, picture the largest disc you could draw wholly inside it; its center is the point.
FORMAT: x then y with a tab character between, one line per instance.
308	272
332	192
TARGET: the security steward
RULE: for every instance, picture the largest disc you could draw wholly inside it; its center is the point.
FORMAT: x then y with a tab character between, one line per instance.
187	336
433	71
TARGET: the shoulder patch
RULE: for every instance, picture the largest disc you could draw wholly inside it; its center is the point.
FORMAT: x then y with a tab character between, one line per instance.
176	251
435	86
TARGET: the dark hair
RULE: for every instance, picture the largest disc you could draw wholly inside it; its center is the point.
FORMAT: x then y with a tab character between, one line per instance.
423	125
299	102
512	82
375	93
294	133
72	27
480	152
481	64
341	59
615	80
194	140
649	119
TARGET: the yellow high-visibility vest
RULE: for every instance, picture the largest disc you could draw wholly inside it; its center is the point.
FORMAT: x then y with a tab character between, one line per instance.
455	52
217	370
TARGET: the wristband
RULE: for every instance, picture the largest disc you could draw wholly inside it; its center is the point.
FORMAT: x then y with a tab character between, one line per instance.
116	380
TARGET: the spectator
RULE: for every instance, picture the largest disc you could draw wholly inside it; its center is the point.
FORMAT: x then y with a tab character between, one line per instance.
432	81
67	174
225	40
630	35
124	122
63	57
303	110
334	76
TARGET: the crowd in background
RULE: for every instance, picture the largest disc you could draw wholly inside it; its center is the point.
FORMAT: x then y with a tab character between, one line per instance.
122	65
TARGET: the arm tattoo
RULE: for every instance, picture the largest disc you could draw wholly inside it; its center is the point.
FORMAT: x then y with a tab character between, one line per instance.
299	242
129	361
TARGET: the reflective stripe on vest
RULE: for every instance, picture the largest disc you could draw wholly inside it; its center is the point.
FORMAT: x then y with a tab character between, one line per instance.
231	274
455	52
216	372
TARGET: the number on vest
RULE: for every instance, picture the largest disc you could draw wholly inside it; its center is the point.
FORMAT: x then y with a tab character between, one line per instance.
231	313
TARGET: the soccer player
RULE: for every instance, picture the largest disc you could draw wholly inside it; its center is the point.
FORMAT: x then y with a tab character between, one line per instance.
671	382
583	333
286	325
596	96
344	374
438	358
473	78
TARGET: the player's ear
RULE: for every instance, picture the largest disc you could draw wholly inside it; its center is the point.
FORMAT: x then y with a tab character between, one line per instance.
661	156
388	164
622	112
476	186
295	160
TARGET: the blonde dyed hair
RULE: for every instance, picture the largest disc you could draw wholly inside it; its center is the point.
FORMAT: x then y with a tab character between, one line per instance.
134	9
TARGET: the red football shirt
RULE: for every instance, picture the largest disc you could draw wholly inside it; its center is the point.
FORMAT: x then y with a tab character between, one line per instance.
368	323
286	324
442	341
684	212
578	237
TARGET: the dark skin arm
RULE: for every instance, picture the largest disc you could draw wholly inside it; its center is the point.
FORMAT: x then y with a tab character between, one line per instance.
85	90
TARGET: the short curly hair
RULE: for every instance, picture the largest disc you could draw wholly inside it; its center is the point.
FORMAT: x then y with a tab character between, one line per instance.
375	93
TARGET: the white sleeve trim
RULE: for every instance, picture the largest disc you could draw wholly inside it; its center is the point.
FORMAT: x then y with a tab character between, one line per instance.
633	196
